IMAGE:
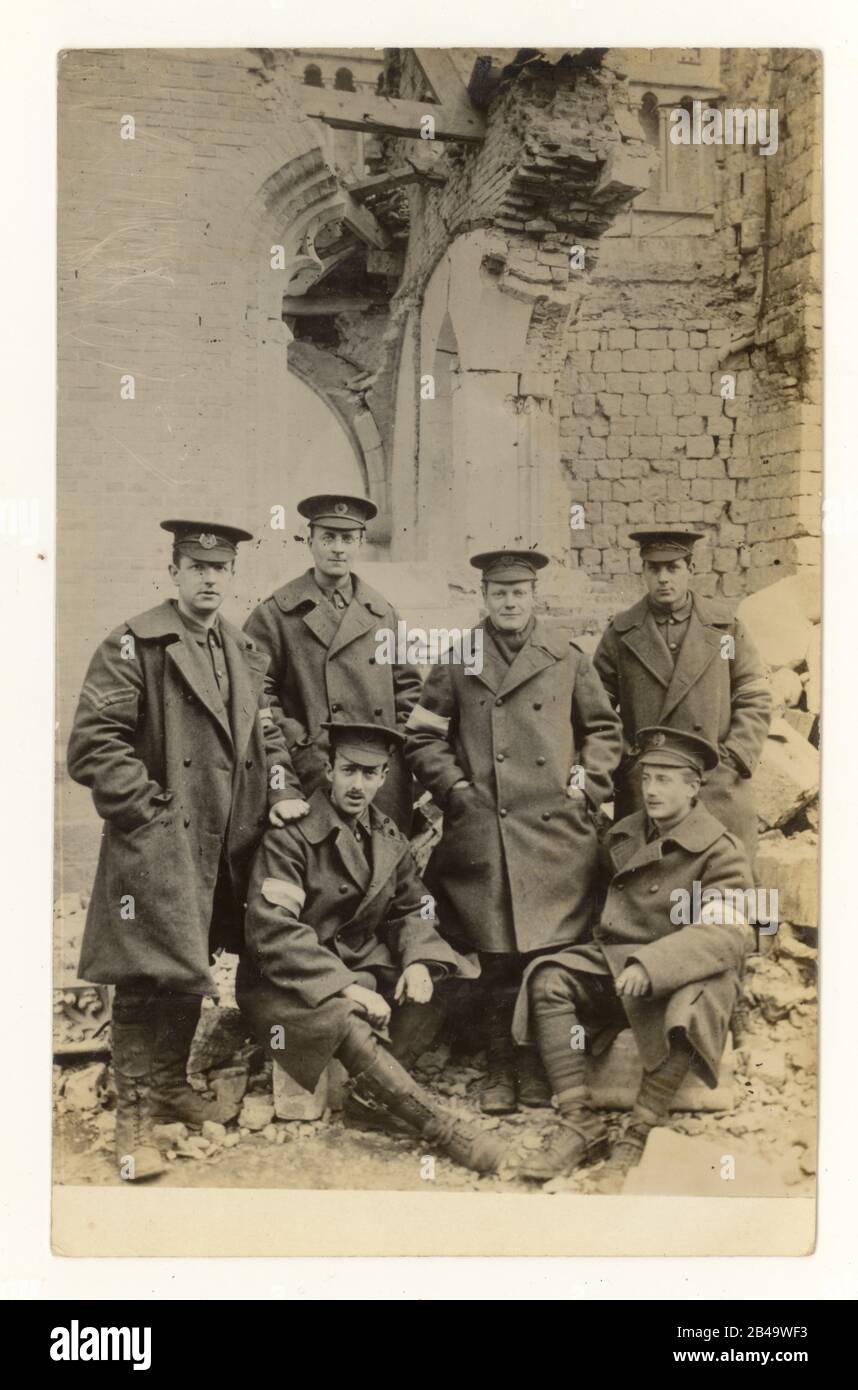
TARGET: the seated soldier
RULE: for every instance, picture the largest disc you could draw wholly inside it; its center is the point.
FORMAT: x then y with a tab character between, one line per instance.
670	975
336	929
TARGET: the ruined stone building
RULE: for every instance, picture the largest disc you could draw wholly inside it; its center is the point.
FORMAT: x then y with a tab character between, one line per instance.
519	329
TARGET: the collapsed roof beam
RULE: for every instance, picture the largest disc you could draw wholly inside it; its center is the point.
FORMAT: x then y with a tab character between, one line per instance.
380	115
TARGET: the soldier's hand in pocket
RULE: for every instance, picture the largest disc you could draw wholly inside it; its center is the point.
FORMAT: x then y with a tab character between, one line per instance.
373	1005
633	982
284	811
414	984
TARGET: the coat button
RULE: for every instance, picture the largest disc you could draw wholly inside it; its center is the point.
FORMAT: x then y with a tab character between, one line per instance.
540	762
186	762
335	709
537	704
372	661
378	711
653	888
498	702
248	762
502	811
546	815
619	887
187	821
698	727
501	757
344	887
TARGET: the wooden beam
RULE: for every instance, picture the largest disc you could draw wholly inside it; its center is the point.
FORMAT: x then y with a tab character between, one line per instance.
361	221
396	178
299	306
388	115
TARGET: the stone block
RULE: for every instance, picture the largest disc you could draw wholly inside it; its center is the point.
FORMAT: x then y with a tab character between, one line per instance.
82	1087
607	362
293	1102
661	360
621	338
787	776
786	688
686	1166
801	720
257	1110
615	1077
790	863
651	338
780	618
814	668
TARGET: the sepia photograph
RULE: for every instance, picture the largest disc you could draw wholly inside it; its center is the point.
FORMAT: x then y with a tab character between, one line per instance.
438	634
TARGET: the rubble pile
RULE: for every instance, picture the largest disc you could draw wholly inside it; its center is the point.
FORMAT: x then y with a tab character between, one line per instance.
81	1010
783	621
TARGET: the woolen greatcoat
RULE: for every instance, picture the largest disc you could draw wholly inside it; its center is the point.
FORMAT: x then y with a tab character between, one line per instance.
515	867
321	918
178	784
693	969
323	666
717	690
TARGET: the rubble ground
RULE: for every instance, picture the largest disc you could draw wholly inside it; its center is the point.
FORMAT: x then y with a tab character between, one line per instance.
773	1118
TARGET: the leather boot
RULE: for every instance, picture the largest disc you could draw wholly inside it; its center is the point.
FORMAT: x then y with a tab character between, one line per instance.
172	1097
498	1094
386	1081
628	1150
133	1029
532	1083
581	1139
413	1030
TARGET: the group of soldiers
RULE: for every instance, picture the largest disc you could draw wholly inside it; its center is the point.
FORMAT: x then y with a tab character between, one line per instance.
257	788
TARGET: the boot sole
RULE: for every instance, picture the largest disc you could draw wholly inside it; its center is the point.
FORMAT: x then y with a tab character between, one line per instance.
498	1107
595	1154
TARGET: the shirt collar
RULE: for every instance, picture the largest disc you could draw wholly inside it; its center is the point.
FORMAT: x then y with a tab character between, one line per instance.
345	589
198	629
363	819
679	615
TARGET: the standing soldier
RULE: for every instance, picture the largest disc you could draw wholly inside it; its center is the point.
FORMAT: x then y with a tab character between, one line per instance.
680	660
320	633
519	756
183	759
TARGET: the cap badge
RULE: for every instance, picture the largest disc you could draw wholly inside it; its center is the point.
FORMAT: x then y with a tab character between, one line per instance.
341	508
207	540
657	741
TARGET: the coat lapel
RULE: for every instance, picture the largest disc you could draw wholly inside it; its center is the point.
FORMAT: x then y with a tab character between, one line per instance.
194	675
387	850
353	857
321	619
643	640
247	668
537	654
527	663
699	649
630	849
495	669
355	622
